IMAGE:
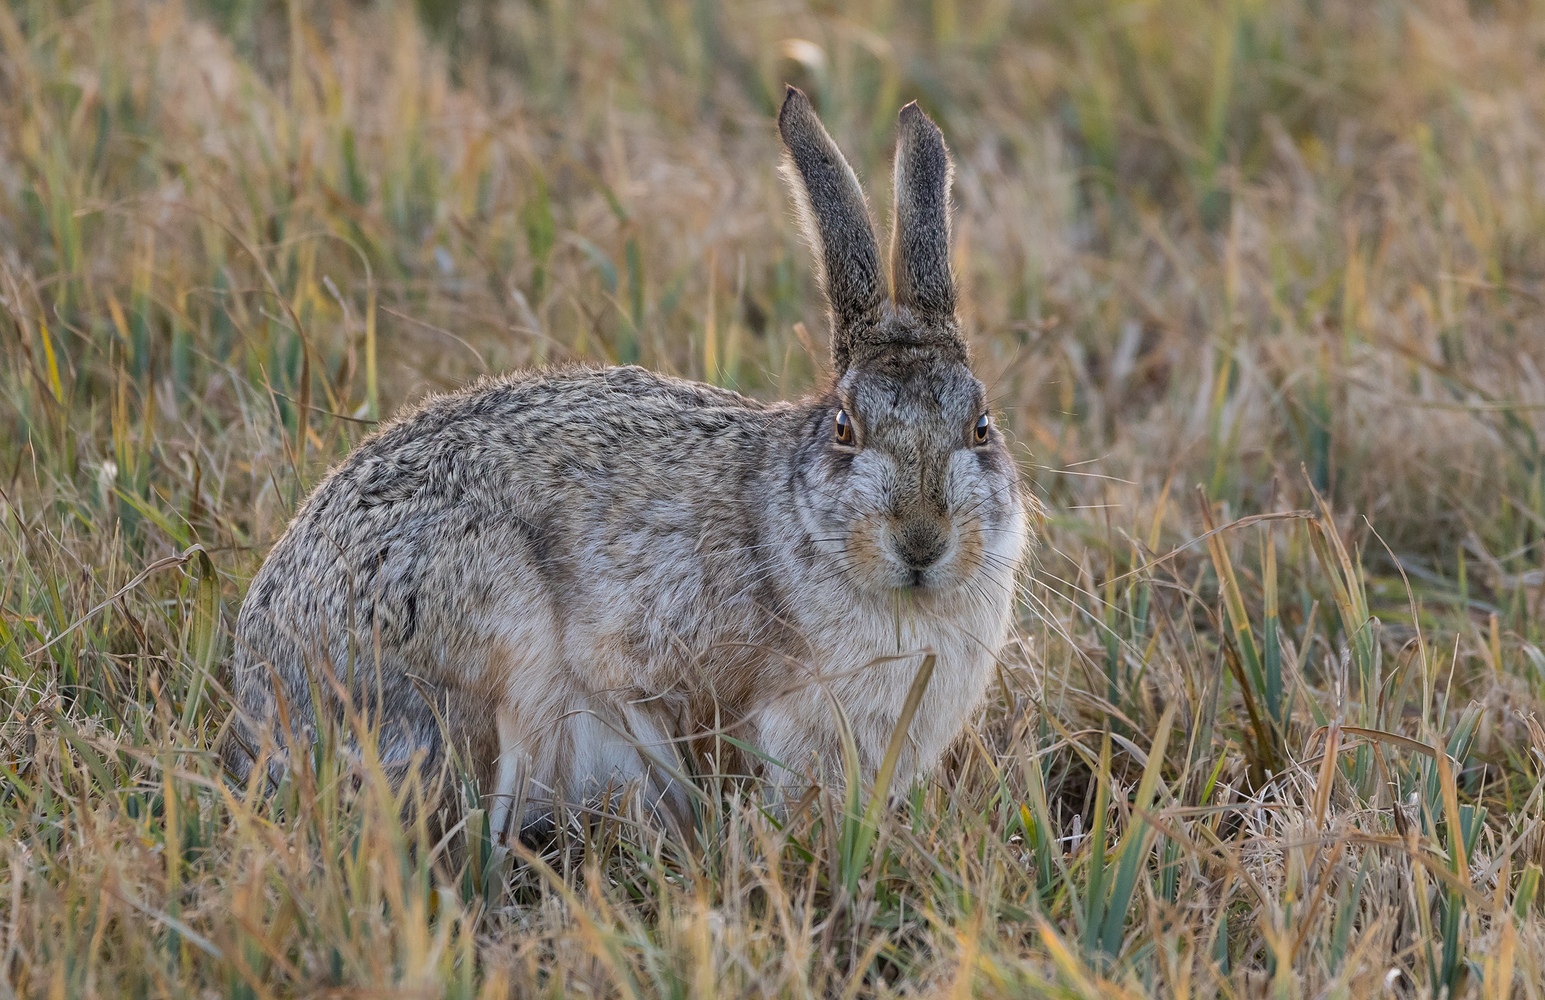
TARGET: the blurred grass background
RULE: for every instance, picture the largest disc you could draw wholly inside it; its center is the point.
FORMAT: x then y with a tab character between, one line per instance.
1259	289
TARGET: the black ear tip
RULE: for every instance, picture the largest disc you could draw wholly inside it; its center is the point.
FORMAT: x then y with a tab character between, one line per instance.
914	119
796	107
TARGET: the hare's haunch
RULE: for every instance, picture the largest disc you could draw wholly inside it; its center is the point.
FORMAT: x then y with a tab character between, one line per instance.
571	574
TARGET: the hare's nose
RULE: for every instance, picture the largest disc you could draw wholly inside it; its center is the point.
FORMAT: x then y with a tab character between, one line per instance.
921	544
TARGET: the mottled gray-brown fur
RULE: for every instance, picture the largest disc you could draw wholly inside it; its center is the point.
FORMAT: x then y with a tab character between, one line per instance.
573	573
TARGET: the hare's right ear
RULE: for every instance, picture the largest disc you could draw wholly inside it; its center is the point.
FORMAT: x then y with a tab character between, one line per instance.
836	222
920	242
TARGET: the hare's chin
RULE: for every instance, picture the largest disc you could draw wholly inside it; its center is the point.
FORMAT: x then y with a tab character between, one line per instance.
937	581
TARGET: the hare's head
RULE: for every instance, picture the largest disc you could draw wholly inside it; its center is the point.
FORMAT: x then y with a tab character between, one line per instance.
904	478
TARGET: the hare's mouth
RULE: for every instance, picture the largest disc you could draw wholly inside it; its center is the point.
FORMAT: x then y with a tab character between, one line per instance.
943	578
921	588
934	575
883	557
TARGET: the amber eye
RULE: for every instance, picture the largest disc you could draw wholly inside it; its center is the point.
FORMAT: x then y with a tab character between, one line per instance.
983	428
843	428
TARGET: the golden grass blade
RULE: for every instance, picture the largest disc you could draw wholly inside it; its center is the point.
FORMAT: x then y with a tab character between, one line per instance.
898	741
1450	792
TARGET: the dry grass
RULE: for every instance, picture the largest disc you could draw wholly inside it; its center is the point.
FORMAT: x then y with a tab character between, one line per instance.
1291	252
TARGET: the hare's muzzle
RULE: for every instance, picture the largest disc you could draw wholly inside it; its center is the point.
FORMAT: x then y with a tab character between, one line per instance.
920	544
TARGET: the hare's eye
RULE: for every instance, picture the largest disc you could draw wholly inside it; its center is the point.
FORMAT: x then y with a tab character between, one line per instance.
982	430
843	428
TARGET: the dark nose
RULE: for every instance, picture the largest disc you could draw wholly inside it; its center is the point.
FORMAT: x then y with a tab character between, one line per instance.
921	544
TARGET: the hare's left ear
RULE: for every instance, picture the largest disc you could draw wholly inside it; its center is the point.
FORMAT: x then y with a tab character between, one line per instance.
835	218
920	240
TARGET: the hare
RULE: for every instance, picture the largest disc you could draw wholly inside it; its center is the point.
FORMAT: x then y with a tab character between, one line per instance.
570	574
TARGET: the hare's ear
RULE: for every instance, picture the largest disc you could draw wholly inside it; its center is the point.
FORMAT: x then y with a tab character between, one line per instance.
920	242
836	222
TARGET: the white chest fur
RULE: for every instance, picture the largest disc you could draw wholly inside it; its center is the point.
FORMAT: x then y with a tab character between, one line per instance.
866	656
871	660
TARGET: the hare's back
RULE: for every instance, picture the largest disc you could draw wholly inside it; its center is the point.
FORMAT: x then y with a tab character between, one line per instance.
553	493
549	436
